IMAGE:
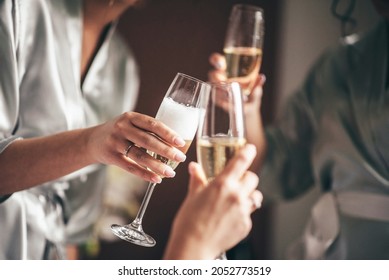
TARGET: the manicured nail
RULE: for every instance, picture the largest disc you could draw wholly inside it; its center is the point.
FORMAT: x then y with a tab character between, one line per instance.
251	149
169	172
156	179
263	79
179	141
218	65
180	157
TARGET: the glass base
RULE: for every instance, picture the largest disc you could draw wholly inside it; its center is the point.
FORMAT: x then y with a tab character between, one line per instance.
134	234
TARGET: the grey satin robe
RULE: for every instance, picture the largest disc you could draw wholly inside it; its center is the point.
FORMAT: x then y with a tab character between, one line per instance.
41	94
334	134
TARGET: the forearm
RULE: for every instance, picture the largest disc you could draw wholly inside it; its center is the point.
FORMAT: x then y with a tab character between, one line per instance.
187	247
30	162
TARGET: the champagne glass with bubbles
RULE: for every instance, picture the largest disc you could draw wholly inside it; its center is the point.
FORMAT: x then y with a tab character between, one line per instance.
243	45
221	133
179	110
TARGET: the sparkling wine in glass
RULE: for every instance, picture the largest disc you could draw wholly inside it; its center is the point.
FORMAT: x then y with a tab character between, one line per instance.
243	45
221	133
180	110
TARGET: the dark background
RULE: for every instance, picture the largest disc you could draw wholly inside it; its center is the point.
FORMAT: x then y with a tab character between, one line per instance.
170	36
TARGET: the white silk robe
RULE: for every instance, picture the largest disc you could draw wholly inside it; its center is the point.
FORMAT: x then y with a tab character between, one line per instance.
41	94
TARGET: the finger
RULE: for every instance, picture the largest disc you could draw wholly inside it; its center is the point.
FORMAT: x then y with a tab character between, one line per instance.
142	158
152	125
262	79
132	167
128	148
215	76
197	180
238	165
256	200
248	183
152	143
218	61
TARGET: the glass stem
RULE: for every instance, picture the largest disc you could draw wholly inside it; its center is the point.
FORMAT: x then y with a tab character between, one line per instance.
139	217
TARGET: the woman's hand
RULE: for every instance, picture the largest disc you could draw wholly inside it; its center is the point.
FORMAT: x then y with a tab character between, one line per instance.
125	141
216	216
251	106
252	102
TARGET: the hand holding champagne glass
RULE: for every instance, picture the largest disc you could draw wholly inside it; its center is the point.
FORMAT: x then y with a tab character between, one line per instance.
179	110
243	45
222	132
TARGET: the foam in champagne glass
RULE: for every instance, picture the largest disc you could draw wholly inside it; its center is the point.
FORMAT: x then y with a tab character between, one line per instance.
181	118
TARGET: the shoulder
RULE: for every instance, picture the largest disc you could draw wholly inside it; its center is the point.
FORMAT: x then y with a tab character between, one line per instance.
20	18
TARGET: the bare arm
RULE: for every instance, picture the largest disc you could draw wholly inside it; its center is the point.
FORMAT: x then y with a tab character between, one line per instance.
29	162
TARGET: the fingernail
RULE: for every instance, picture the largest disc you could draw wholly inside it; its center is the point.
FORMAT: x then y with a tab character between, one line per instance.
156	179
256	202
251	148
263	79
218	65
179	141
180	157
169	172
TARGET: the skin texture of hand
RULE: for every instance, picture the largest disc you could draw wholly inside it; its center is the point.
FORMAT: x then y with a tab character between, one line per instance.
218	74
215	216
109	141
251	106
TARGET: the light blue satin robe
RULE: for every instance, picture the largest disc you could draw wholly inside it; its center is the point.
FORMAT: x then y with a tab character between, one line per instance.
41	94
334	134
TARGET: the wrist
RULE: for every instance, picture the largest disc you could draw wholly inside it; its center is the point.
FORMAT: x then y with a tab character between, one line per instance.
86	142
253	115
188	247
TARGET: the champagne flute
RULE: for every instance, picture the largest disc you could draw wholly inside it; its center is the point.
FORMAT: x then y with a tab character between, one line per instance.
221	133
179	110
243	45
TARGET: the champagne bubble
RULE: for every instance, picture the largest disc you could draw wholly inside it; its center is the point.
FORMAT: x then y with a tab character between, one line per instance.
181	118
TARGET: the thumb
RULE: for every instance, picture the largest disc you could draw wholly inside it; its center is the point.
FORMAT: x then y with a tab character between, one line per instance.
197	180
218	61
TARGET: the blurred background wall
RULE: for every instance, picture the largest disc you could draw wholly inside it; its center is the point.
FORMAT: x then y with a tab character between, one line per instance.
170	36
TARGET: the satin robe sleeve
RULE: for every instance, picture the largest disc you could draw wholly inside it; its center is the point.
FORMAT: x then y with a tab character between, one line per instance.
288	170
9	92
